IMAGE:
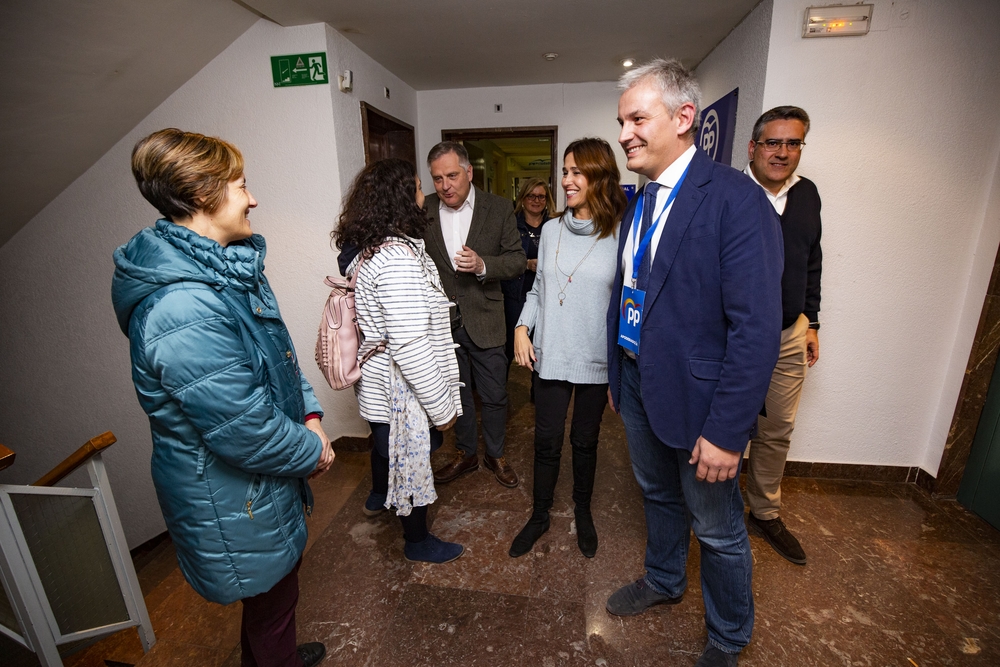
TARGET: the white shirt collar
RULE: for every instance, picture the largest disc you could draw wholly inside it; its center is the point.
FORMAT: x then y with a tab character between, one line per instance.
470	202
782	193
672	174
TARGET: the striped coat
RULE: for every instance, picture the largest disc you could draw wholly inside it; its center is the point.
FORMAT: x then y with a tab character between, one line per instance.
399	299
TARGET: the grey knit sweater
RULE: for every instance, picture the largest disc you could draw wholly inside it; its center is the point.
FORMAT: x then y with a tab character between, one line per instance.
571	339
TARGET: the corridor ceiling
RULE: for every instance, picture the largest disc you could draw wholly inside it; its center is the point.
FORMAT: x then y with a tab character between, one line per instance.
78	76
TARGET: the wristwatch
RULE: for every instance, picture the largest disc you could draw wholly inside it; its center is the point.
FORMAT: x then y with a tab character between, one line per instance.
814	325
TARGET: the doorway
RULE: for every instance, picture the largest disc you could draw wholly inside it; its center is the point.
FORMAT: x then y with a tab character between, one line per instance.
385	136
503	157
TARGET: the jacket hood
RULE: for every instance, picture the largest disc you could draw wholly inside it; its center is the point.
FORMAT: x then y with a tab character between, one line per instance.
168	253
346	257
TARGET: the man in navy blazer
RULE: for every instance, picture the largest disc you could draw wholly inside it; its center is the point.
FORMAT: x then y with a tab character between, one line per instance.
701	312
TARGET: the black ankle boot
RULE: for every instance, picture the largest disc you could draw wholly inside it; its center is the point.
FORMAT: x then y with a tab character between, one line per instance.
537	526
586	534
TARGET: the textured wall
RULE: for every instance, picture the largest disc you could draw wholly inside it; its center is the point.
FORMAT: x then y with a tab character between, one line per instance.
903	147
740	61
579	109
65	375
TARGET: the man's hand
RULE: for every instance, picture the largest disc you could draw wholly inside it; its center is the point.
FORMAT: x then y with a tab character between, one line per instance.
468	261
611	402
533	265
812	347
714	463
326	454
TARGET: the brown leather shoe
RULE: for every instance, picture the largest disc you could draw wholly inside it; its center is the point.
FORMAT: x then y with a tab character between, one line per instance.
504	473
455	468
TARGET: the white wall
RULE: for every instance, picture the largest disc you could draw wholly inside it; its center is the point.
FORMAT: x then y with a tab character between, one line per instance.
740	61
66	374
369	80
578	109
903	147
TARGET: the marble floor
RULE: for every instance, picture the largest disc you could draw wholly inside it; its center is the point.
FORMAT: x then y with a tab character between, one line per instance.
894	577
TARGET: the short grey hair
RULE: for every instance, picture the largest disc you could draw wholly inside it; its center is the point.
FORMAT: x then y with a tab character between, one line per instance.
780	113
675	82
446	147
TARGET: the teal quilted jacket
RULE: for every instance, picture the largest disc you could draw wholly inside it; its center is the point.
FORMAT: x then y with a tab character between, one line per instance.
215	371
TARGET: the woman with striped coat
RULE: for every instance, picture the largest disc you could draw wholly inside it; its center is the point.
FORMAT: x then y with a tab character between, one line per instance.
408	393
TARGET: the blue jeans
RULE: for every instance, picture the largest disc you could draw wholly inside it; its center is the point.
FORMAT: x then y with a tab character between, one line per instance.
675	503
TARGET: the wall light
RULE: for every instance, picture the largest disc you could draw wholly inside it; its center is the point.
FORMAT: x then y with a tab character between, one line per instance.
837	21
628	62
550	55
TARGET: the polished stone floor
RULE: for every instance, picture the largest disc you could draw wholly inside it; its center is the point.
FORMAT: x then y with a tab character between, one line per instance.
894	578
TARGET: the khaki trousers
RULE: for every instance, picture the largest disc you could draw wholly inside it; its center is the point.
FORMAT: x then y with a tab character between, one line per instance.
774	433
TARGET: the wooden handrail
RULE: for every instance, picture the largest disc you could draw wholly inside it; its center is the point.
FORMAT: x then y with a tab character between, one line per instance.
6	457
77	459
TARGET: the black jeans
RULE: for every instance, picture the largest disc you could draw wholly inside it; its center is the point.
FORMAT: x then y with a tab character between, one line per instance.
551	406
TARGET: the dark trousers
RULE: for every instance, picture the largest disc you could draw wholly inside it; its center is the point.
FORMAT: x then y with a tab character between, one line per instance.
551	406
267	635
414	525
488	365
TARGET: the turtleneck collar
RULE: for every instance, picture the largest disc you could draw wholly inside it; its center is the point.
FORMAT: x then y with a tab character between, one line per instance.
577	226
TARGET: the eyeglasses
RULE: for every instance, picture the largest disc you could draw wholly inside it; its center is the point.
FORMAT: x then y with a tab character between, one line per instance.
774	145
536	197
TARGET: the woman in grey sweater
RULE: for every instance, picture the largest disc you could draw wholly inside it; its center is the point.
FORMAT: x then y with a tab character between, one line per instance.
565	311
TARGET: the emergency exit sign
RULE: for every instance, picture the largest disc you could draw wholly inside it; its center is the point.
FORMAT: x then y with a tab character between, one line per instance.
301	69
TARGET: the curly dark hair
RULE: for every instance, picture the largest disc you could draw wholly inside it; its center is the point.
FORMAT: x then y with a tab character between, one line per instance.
381	203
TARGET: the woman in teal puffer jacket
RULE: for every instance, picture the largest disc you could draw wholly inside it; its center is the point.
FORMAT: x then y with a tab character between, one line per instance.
235	425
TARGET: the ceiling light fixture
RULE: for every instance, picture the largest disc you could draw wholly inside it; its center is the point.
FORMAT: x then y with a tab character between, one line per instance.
550	55
628	62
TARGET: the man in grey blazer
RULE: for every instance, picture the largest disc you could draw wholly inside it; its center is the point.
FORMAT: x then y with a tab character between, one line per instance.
474	242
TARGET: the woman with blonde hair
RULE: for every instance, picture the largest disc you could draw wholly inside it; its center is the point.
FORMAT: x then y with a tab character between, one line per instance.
533	208
565	314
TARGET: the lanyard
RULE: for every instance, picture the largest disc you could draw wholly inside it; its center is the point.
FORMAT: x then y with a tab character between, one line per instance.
640	253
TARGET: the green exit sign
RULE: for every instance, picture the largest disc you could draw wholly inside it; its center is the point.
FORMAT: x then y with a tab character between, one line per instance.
302	69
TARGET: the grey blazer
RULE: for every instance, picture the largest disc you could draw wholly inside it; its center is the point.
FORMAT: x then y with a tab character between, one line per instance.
493	235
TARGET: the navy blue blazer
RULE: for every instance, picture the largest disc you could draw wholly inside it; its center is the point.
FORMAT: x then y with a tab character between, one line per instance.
711	324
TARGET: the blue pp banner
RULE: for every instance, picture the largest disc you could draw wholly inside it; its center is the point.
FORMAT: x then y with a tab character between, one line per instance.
718	127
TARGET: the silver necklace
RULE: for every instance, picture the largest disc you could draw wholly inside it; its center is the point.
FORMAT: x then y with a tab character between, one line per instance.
569	276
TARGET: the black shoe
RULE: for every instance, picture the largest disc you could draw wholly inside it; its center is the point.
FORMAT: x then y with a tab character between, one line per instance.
713	657
636	598
311	653
536	527
586	534
777	535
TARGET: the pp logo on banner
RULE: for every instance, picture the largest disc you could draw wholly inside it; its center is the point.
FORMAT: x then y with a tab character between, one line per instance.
710	134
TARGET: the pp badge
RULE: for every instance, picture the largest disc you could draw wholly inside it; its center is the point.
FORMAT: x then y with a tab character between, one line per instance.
630	321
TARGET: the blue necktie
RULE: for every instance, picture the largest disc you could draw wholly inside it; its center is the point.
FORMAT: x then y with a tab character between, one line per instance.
648	205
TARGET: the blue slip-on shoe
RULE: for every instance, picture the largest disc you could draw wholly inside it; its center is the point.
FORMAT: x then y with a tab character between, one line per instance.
375	504
432	550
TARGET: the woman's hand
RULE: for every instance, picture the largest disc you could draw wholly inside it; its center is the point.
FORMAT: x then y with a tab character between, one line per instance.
445	427
533	265
326	454
524	351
